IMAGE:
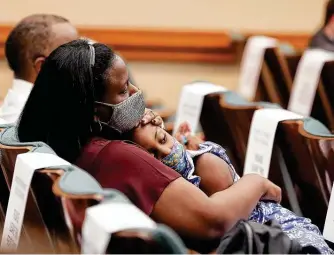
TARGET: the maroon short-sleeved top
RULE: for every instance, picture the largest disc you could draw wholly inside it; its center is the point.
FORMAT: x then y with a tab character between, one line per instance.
127	168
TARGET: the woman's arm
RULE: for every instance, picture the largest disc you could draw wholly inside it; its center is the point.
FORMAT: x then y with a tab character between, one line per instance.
190	212
214	172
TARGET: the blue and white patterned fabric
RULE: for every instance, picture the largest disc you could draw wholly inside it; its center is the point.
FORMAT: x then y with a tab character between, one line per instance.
298	228
181	161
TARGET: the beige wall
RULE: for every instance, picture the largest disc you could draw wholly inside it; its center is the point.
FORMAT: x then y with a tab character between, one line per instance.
5	78
268	15
292	15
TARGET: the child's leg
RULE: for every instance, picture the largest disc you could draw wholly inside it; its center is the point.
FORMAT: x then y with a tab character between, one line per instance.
298	228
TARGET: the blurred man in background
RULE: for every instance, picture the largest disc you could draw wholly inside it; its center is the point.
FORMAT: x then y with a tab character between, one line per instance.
324	38
26	48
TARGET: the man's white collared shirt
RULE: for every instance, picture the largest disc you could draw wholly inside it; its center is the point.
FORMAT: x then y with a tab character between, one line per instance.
15	100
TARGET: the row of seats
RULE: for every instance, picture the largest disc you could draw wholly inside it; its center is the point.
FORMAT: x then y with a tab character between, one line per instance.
277	79
55	209
303	147
302	159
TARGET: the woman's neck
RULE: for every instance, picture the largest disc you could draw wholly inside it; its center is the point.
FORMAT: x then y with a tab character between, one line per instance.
110	134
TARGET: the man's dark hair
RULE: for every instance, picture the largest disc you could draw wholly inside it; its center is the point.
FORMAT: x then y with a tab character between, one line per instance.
29	40
329	11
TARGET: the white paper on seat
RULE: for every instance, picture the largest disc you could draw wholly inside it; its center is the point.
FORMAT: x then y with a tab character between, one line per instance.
329	223
307	79
25	166
251	64
191	103
107	218
261	139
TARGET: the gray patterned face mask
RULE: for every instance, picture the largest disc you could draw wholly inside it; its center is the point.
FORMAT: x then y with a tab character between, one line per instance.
127	114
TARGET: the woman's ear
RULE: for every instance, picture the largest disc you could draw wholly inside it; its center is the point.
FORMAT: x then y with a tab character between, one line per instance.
38	64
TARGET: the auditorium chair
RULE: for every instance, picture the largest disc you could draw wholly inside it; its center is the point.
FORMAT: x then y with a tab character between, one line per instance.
44	228
276	62
220	123
238	115
238	43
159	240
226	120
275	80
323	108
326	94
57	202
309	152
293	61
291	157
216	129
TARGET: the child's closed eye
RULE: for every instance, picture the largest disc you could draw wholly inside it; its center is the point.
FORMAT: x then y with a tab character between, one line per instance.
164	139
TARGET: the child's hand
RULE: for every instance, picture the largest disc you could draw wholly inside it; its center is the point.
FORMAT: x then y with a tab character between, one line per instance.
193	142
184	129
183	135
183	132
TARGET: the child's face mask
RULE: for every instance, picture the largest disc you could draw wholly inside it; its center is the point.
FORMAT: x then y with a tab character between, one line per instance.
178	159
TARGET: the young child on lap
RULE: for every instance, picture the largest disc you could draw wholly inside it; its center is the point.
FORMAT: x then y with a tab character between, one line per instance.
209	168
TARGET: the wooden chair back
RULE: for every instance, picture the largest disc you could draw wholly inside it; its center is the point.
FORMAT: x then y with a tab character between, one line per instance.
326	94
306	158
275	80
44	227
238	44
293	61
226	120
216	128
308	154
322	109
277	66
239	117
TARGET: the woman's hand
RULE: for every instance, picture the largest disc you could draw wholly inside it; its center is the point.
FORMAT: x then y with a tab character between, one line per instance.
183	135
274	193
151	117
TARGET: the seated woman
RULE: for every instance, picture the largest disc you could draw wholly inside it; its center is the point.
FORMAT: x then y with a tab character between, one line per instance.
80	104
209	168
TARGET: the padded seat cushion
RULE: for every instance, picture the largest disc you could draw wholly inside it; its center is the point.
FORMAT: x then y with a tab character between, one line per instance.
315	127
233	98
287	49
